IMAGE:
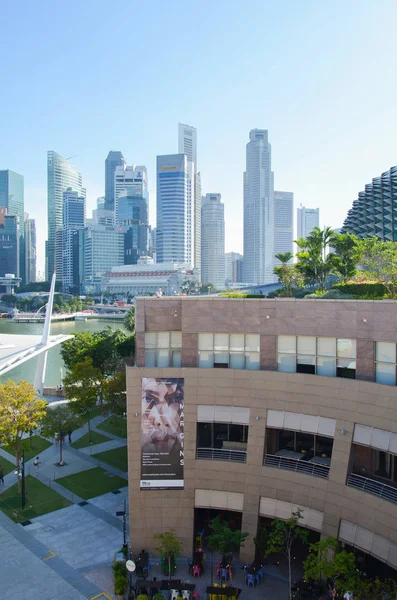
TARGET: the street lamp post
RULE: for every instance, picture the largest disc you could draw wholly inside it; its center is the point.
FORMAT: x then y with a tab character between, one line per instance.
20	472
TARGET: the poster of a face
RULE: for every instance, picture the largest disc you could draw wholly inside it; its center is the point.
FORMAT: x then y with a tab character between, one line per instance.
162	433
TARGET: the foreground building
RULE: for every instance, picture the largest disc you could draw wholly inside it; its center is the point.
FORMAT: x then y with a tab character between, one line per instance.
374	213
301	414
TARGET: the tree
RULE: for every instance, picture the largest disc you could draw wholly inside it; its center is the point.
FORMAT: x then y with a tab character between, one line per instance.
129	320
282	536
290	277
347	250
223	539
379	263
168	546
190	286
262	540
284	257
114	393
82	385
206	288
313	261
327	560
21	411
59	420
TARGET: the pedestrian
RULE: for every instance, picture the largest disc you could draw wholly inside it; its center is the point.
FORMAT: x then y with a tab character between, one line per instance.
70	436
2	474
36	463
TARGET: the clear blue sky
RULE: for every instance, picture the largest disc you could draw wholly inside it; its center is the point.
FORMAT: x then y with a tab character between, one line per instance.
84	77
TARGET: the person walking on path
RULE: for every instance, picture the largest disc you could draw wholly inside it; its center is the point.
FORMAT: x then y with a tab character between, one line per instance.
70	436
1	474
36	463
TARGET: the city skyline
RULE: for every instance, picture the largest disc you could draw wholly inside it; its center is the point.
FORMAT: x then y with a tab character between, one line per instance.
305	97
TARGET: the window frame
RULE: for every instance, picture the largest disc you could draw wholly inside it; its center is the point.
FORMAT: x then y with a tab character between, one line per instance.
155	348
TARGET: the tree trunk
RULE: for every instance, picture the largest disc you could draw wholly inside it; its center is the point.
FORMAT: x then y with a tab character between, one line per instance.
60	449
89	428
289	574
17	454
169	566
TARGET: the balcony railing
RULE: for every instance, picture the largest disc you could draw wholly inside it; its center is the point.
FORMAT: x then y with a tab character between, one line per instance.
377	488
222	454
294	464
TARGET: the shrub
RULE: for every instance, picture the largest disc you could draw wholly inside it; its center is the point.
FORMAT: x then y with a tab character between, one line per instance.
120	585
329	295
241	295
362	290
119	569
145	597
158	596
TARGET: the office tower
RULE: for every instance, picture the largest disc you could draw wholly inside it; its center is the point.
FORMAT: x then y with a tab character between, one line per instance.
152	243
30	250
283	223
73	219
61	175
258	210
232	270
374	213
174	240
213	241
133	217
187	144
100	202
114	159
9	243
101	248
101	216
12	198
134	177
307	220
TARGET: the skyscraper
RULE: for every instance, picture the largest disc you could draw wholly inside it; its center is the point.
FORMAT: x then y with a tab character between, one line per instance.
133	178
30	250
233	261
61	175
258	210
114	159
73	220
187	144
9	243
12	198
213	241
173	231
133	217
101	249
307	220
283	223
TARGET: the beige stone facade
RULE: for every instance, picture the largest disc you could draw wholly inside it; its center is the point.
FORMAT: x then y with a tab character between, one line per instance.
347	401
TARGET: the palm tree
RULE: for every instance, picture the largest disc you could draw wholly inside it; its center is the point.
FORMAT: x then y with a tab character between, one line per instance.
284	257
314	262
129	320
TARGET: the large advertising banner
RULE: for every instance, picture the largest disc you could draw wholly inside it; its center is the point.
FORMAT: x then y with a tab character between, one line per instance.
162	433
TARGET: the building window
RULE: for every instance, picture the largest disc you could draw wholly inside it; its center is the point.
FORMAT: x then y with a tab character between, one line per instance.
222	441
224	350
385	363
163	349
330	357
299	445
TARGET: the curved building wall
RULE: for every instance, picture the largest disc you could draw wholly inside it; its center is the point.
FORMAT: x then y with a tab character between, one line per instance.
332	406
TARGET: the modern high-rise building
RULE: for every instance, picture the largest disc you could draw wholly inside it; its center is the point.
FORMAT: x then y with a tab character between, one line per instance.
213	241
100	202
187	144
12	198
174	230
9	243
30	250
258	210
307	220
232	267
132	178
283	223
114	159
152	243
101	248
133	220
61	175
374	213
73	220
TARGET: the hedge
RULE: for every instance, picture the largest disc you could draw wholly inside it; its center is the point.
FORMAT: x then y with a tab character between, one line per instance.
361	290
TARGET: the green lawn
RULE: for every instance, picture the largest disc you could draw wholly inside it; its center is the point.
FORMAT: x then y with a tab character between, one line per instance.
40	500
116	457
96	438
91	483
7	466
115	426
33	447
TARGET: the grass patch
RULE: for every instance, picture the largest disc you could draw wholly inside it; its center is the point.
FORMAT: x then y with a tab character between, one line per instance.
96	438
7	465
115	426
116	457
91	483
40	500
33	447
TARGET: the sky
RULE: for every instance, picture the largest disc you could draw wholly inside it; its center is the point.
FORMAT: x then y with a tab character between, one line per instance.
83	78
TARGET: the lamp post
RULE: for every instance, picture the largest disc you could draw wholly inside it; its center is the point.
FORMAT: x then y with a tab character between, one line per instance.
122	513
20	472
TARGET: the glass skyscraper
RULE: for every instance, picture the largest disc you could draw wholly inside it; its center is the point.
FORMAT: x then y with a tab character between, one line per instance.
12	198
61	175
30	249
9	244
73	219
114	159
174	228
132	212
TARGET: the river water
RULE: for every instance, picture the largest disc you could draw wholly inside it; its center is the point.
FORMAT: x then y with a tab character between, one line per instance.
55	366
